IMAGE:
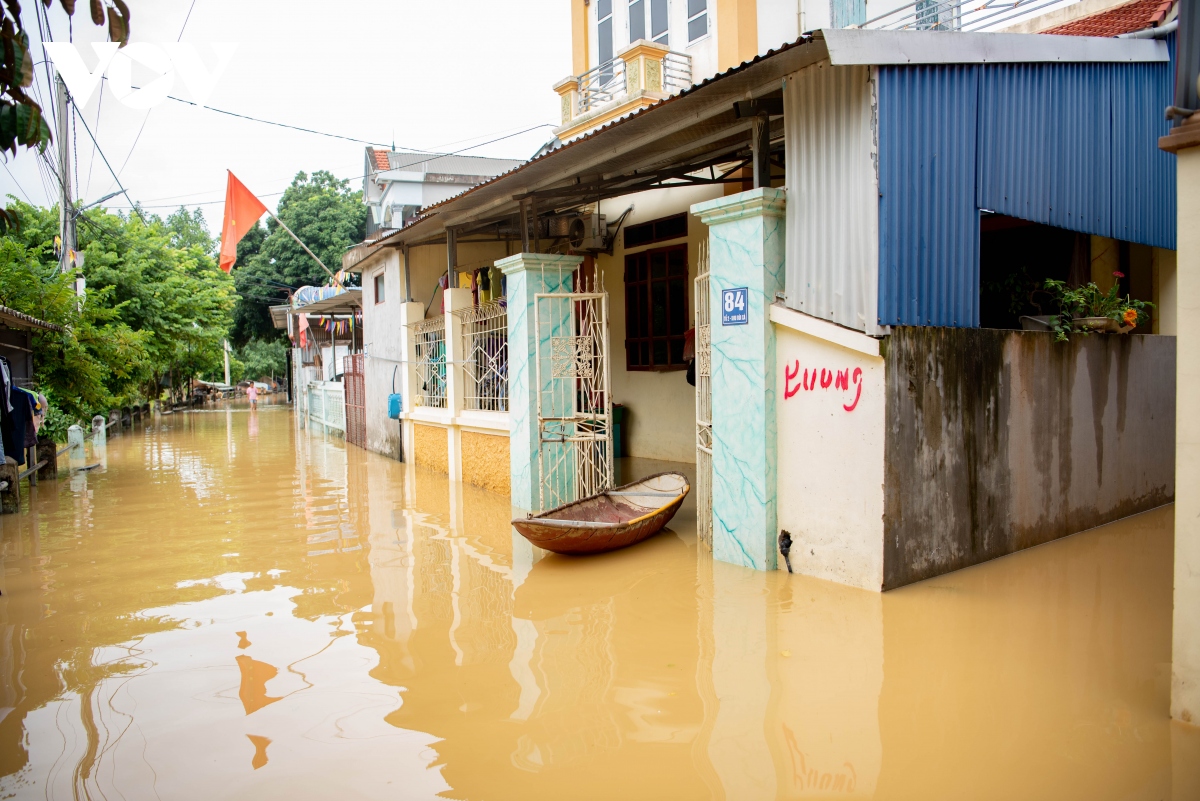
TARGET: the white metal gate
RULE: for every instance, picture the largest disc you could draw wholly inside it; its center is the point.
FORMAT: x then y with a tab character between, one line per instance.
704	516
574	401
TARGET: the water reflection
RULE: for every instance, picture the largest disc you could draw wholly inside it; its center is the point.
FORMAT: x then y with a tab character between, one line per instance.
231	606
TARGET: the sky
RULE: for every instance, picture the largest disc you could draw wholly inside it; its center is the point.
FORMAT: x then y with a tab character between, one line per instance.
438	76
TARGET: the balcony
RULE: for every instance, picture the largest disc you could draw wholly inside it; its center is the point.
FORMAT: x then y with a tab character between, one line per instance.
640	76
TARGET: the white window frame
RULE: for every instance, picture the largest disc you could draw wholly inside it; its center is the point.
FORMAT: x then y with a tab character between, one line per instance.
378	279
707	24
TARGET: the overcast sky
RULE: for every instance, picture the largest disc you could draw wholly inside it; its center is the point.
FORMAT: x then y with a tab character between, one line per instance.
429	75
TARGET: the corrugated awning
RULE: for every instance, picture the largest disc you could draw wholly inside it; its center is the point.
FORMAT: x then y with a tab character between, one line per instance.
672	142
341	303
15	319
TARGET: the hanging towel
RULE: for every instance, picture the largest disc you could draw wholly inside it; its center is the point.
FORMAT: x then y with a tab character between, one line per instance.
6	378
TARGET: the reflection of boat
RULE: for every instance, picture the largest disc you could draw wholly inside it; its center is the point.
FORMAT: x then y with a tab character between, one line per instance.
608	520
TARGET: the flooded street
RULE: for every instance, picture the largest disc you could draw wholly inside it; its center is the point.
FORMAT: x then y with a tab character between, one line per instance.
230	607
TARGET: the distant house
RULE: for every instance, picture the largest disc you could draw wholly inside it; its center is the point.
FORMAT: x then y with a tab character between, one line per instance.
398	183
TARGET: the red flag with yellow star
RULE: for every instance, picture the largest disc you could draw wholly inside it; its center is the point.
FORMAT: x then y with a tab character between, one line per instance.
242	210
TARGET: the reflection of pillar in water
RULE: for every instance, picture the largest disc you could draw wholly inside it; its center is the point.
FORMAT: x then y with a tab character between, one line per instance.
738	746
455	608
524	557
824	725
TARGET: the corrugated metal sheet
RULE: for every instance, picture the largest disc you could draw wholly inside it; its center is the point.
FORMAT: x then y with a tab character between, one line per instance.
1143	176
928	221
1076	146
832	212
1068	145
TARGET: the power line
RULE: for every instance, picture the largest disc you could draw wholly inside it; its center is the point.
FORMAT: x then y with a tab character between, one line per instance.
110	169
146	119
432	157
16	182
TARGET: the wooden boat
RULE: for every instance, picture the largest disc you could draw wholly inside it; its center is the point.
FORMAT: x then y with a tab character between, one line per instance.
608	520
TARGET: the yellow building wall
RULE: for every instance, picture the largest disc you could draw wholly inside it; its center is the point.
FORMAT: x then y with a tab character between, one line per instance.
737	32
579	37
431	446
485	461
1165	300
427	264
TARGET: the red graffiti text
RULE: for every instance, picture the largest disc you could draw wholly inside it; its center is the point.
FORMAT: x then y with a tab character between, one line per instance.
810	379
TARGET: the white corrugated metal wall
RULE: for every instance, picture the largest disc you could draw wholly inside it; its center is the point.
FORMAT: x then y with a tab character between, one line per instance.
833	195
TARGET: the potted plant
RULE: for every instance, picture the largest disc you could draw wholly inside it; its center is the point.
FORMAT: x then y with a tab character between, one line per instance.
1089	309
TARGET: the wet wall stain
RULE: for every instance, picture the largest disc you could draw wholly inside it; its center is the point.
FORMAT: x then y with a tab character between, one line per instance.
1000	440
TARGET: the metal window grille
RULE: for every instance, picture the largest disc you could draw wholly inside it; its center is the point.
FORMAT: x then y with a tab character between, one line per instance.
958	15
430	338
485	356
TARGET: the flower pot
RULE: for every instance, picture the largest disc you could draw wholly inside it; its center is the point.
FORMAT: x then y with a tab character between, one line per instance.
1096	324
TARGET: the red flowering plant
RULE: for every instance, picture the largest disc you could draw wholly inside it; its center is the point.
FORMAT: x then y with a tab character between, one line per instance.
1080	307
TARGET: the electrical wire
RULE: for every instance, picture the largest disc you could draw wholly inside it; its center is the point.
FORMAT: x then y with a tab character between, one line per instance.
432	157
146	119
92	160
99	150
16	183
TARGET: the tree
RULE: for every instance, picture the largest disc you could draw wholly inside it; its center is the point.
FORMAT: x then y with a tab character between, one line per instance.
97	358
157	306
327	216
263	358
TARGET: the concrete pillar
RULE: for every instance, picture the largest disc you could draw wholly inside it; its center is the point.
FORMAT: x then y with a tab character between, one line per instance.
99	431
75	440
746	259
410	312
114	421
1185	673
528	274
456	300
47	451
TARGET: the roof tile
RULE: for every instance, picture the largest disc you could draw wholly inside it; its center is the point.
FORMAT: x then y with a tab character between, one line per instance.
1128	18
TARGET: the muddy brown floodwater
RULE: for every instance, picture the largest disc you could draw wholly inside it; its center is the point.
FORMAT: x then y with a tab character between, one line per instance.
232	608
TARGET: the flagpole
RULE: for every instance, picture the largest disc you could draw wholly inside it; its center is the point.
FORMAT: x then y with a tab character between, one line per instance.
306	250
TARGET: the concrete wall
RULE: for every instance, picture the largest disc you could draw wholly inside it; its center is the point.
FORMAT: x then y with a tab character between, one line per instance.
385	351
830	477
661	417
1001	440
1185	678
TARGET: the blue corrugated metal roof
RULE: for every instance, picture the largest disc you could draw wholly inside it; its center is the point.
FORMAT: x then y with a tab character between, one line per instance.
1143	176
1069	145
928	237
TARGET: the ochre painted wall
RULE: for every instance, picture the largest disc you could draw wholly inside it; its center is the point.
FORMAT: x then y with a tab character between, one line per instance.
485	461
432	447
737	32
579	37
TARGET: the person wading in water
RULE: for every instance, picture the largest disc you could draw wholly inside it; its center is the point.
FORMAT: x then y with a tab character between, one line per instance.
252	394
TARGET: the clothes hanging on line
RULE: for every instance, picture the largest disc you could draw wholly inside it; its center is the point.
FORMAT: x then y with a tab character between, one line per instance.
16	427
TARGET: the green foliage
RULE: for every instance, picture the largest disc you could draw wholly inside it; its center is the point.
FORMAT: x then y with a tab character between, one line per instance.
264	358
1090	300
327	216
156	309
57	423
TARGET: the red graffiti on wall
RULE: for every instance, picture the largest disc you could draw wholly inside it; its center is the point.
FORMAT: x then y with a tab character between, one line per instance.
824	378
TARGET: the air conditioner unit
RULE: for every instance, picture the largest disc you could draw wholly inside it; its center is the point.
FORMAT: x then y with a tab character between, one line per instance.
588	233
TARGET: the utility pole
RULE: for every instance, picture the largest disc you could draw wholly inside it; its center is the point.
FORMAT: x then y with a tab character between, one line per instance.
66	209
226	349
